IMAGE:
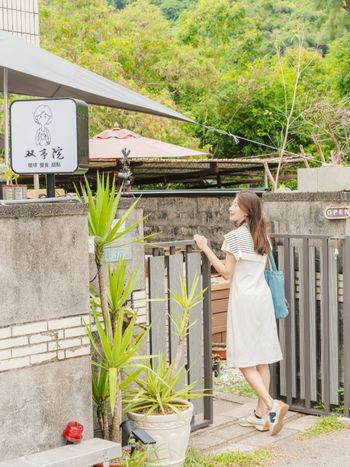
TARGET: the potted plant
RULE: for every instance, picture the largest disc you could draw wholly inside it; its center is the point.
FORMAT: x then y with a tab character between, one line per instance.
216	362
12	190
158	401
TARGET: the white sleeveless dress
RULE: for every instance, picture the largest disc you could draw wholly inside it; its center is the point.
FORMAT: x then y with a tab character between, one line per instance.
252	337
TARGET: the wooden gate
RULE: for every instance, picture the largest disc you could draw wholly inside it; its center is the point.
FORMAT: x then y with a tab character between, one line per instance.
167	265
314	376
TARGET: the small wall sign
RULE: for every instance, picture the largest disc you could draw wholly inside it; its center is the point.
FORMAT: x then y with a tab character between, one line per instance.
338	212
49	136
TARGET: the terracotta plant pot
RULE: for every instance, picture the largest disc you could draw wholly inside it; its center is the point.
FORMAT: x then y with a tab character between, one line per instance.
221	351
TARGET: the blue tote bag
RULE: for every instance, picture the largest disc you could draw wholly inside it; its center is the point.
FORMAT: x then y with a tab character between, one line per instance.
275	280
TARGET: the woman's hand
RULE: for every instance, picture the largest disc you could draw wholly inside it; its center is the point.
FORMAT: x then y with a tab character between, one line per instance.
201	241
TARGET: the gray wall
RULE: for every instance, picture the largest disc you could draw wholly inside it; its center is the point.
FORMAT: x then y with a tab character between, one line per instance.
179	218
43	273
44	355
303	213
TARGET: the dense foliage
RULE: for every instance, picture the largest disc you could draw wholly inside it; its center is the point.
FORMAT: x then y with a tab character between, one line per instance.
236	65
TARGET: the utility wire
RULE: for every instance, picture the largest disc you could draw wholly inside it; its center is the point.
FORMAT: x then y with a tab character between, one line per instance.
237	138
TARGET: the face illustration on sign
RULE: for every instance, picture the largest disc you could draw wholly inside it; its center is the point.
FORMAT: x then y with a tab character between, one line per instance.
43	117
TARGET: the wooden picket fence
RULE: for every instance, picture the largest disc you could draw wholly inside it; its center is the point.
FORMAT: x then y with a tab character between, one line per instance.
314	376
168	263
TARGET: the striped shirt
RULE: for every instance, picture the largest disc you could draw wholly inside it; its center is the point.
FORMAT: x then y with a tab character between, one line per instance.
239	241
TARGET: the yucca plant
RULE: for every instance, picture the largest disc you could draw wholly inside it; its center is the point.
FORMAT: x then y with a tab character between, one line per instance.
114	343
111	360
103	209
100	396
186	301
158	388
157	391
119	289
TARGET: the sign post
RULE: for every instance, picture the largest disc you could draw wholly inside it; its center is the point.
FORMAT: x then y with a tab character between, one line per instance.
49	136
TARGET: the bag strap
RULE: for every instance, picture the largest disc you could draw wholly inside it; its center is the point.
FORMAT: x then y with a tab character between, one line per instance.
271	261
270	258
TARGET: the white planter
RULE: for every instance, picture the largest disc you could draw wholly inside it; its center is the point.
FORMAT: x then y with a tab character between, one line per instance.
171	432
328	178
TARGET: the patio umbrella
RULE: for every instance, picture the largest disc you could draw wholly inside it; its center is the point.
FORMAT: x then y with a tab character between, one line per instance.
116	143
33	71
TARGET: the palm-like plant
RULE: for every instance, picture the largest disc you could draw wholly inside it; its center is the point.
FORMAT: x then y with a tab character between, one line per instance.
158	390
186	301
112	359
100	396
115	344
105	229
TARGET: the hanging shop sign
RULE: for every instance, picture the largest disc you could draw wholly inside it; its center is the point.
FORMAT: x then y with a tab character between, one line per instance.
338	212
49	136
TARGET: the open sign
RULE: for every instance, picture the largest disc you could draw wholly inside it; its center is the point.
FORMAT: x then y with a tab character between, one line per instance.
339	212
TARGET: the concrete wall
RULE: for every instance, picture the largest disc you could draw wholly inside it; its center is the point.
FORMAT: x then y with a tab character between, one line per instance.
44	351
303	213
179	218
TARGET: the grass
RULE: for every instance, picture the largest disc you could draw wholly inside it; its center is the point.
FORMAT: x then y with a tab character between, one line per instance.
323	426
258	457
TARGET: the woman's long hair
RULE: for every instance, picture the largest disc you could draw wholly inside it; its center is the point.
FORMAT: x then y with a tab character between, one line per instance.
250	204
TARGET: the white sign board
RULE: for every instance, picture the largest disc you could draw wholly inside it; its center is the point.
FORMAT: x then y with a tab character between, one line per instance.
337	212
44	136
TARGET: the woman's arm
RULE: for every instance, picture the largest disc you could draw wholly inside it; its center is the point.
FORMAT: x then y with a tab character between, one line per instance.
225	270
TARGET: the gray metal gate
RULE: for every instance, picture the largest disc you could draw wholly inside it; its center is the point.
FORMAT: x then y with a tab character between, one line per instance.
314	376
167	264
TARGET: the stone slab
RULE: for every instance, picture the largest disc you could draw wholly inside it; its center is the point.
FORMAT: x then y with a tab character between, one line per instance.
258	439
38	209
80	455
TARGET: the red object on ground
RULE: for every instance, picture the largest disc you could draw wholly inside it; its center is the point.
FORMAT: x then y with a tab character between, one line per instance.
73	432
221	351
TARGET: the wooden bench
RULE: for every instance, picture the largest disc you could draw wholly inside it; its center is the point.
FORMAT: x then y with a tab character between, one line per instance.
84	454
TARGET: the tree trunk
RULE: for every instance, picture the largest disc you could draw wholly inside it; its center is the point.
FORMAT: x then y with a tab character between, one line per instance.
104	426
101	274
117	416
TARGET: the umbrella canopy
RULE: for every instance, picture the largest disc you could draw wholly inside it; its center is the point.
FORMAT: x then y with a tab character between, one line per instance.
112	144
34	71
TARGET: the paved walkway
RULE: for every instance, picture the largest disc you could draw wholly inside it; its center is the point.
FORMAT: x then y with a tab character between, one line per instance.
226	435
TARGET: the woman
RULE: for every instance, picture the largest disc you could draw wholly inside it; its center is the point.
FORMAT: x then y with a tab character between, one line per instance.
252	340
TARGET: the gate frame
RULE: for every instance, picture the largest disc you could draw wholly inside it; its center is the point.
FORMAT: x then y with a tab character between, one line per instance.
187	248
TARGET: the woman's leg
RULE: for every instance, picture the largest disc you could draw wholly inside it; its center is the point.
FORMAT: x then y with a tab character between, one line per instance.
255	380
264	371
